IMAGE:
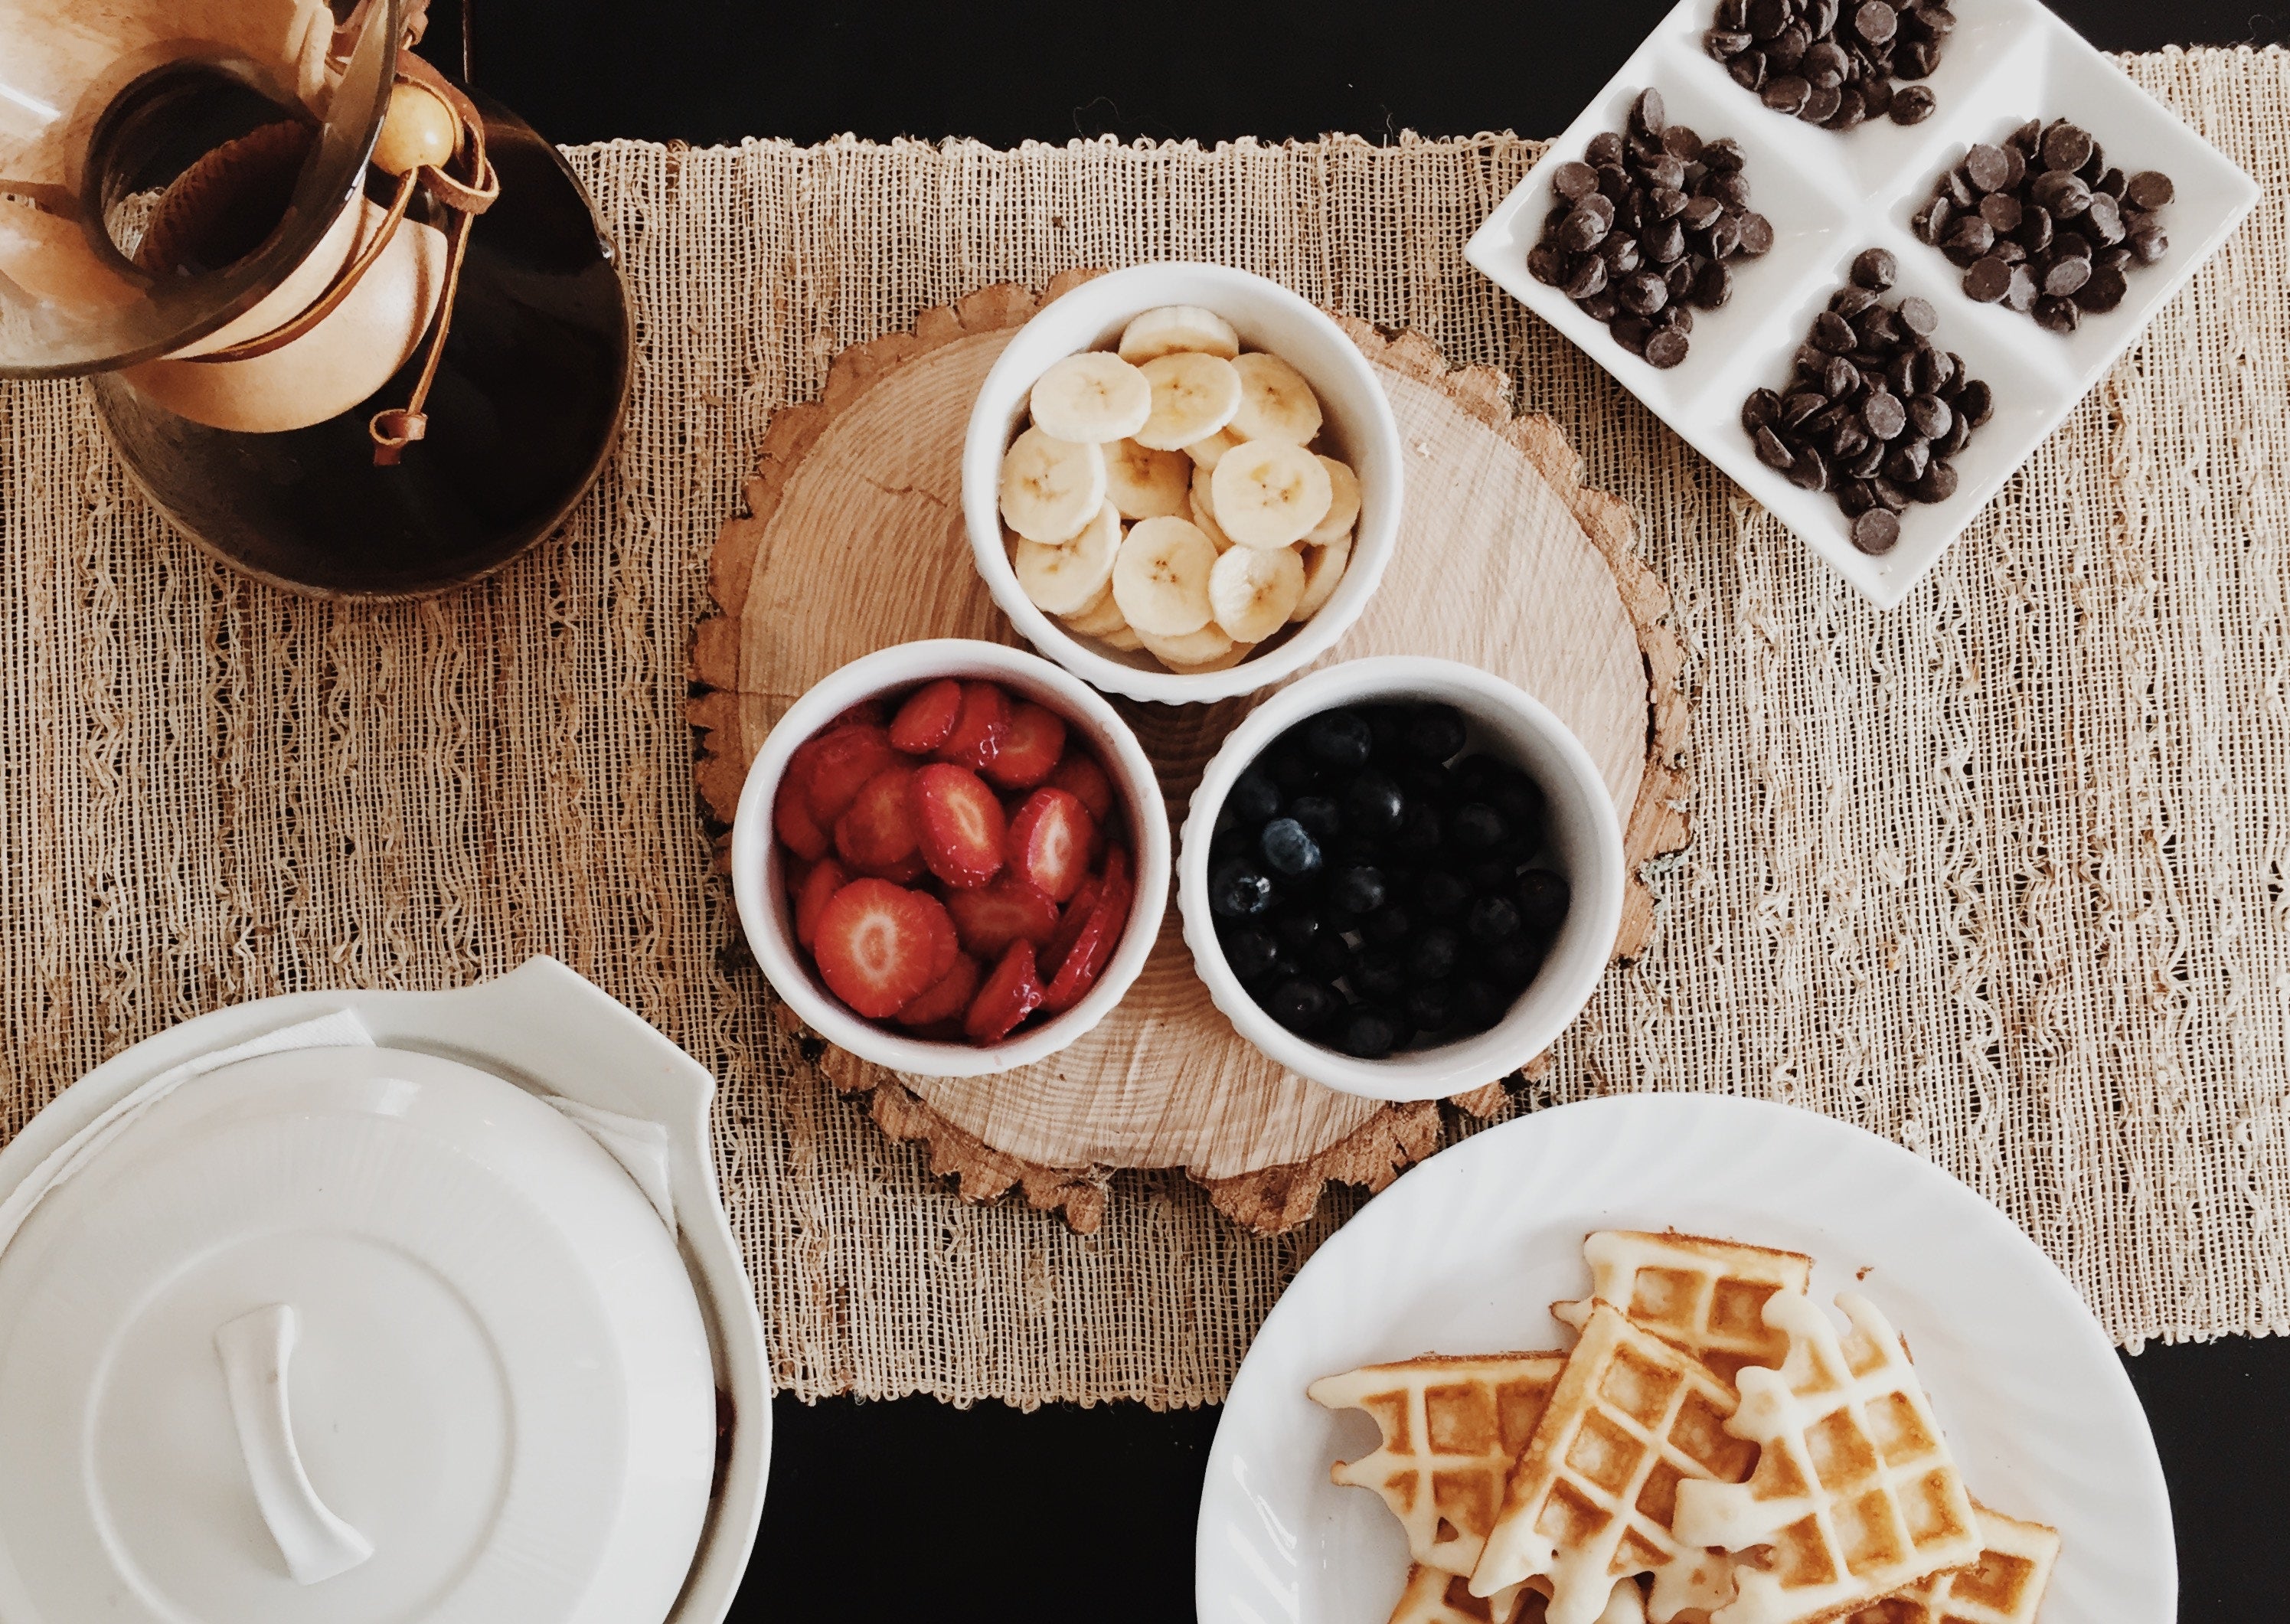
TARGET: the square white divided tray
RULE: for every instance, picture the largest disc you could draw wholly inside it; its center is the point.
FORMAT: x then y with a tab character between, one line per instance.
1830	194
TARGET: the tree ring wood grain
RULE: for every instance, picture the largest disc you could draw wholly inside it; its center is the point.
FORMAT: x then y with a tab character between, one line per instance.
853	540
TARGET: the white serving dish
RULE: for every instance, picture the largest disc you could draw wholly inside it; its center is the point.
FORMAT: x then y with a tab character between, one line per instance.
547	1032
1831	194
1360	429
759	870
1506	721
1465	1253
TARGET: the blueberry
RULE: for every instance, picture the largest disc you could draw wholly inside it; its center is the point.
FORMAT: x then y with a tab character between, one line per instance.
1542	898
1477	826
1388	925
1303	1005
1442	895
1254	796
1238	890
1231	840
1435	732
1420	831
1373	804
1289	770
1520	801
1490	873
1357	890
1369	1033
1492	917
1296	928
1431	1006
1329	958
1287	850
1378	975
1249	950
1479	1005
1426	780
1318	813
1513	962
1387	726
1433	955
1339	739
1476	776
1337	920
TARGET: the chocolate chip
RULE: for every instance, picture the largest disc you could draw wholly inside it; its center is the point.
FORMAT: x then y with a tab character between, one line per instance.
2066	147
1969	239
2061	316
1931	416
1912	104
1930	222
1884	416
1974	403
1876	22
2103	292
1937	485
2149	190
1772	451
2020	294
2001	211
1875	268
1986	167
1589	277
1757	233
2148	245
1574	180
1666	348
1987	280
1787	94
1646	111
2064	275
1876	531
2064	194
1833	333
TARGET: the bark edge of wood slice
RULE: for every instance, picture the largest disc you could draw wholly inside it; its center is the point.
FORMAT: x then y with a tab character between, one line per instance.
767	642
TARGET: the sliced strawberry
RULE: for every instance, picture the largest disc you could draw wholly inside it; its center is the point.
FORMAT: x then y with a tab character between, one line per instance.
1050	841
926	720
875	946
989	920
842	760
791	820
1094	949
1010	994
877	833
826	876
1080	775
946	944
979	730
962	826
946	999
1030	749
1069	924
866	713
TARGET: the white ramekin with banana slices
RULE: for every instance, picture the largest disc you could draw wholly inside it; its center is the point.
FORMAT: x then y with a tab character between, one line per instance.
1181	482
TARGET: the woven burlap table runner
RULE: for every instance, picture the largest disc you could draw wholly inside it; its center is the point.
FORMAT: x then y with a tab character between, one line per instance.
2003	874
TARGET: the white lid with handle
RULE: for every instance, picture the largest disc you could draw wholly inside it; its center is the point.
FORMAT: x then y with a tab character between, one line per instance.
352	1335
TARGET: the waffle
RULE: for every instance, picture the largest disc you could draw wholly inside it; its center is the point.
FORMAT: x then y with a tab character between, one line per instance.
1590	1500
1452	1427
2005	1587
1434	1597
1855	1496
1707	1296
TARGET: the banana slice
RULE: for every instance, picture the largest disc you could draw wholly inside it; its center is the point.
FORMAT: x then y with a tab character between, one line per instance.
1207	453
1161	577
1275	402
1194	396
1324	567
1252	590
1206	650
1091	396
1172	328
1126	639
1145	483
1065	579
1050	487
1100	618
1269	494
1205	522
1343	503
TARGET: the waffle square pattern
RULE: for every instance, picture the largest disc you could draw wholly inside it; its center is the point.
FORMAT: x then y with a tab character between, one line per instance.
1854	1496
1452	1427
1707	1296
2004	1587
1631	1420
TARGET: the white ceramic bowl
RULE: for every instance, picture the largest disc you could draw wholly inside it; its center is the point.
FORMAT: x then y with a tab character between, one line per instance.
758	874
1585	837
1359	431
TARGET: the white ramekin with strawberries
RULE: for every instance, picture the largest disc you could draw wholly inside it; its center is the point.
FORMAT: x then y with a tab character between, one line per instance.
951	858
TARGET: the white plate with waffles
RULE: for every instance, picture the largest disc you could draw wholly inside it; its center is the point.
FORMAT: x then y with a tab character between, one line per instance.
1466	1253
1830	194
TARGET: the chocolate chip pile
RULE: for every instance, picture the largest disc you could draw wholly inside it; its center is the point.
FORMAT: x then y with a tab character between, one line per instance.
2042	226
1833	65
1874	410
1643	230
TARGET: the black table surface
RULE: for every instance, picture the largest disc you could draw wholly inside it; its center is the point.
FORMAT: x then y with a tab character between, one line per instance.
912	1508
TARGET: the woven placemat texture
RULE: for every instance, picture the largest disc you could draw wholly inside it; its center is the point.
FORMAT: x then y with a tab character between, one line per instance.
2003	874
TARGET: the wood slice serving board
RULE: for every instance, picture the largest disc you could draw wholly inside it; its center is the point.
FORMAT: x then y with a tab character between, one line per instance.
853	540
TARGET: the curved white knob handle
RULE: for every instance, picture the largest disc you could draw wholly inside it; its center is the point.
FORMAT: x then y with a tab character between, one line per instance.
316	1544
